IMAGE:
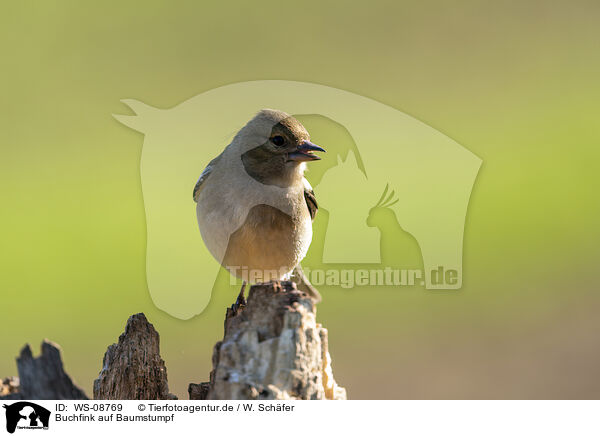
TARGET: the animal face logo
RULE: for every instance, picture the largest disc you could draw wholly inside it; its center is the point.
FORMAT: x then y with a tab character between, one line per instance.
26	415
422	179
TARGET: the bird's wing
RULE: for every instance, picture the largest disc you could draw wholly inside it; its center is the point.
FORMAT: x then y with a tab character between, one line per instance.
204	176
311	200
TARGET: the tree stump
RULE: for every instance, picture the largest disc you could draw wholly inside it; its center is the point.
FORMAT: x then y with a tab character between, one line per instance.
132	368
273	348
40	378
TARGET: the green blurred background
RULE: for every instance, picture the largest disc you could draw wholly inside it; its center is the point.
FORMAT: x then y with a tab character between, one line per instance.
514	82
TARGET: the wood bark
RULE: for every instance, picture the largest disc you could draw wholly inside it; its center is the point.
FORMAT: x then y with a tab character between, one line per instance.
41	378
132	369
273	348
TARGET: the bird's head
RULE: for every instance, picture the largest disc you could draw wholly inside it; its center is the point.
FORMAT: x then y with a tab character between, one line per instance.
274	147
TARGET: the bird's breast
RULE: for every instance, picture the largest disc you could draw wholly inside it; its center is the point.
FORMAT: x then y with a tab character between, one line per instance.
267	237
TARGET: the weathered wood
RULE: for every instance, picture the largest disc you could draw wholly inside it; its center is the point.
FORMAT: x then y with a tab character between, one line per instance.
9	389
273	348
132	368
41	378
198	391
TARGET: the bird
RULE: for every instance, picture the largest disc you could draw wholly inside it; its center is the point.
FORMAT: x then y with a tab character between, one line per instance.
254	206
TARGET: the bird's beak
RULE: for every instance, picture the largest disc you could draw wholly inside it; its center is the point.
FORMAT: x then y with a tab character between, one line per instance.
304	152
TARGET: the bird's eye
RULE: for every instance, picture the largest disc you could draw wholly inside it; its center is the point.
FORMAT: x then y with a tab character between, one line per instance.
278	140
